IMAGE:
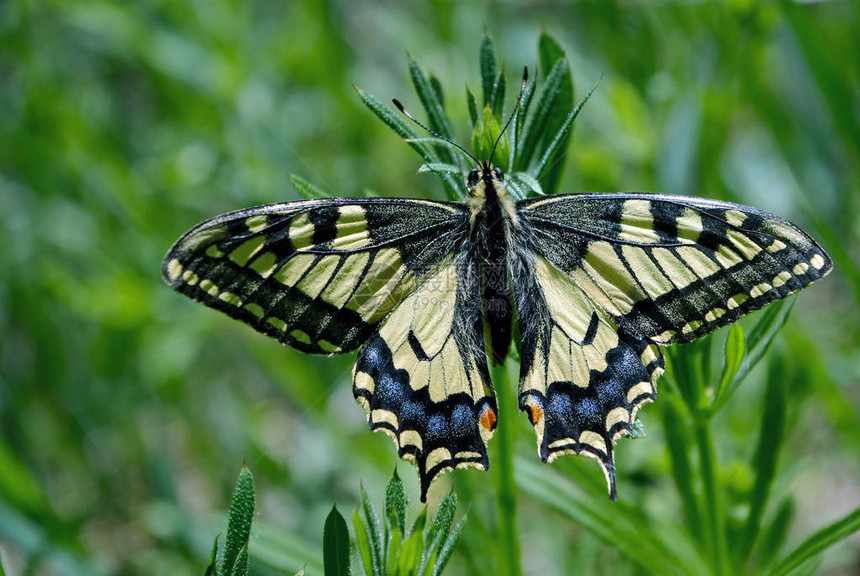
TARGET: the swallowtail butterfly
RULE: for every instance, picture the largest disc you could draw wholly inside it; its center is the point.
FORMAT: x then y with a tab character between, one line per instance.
428	292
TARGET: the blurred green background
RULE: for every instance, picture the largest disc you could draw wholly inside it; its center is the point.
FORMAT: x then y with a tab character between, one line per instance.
126	411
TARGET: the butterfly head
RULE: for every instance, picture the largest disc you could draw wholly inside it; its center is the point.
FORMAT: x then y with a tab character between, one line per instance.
486	180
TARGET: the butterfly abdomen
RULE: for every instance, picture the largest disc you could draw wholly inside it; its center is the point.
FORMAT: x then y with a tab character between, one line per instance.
488	251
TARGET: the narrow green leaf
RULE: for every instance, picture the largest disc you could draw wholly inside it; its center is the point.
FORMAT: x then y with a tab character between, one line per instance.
305	188
410	554
437	88
335	545
447	548
682	469
438	168
396	122
774	533
442	521
553	154
484	137
394	552
429	97
536	123
454	187
551	52
489	70
241	515
3	571
770	442
498	99
735	349
240	565
362	543
211	570
427	569
526	184
373	531
420	521
758	341
660	549
473	107
818	543
396	503
439	529
525	106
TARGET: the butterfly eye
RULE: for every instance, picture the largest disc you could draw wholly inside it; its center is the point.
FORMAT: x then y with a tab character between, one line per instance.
474	176
498	172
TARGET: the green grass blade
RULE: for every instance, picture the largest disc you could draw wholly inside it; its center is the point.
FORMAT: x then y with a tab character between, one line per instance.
440	527
774	533
396	503
536	123
362	543
489	69
429	97
439	168
551	52
682	469
454	187
524	185
335	545
659	549
770	443
473	107
447	548
305	188
555	152
735	350
211	569
240	566
818	543
239	520
373	531
498	100
396	122
758	341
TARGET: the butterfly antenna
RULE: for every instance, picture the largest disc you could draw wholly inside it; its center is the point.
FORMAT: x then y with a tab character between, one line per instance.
513	114
433	132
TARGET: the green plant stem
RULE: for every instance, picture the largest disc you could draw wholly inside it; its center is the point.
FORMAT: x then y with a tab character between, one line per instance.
715	533
503	463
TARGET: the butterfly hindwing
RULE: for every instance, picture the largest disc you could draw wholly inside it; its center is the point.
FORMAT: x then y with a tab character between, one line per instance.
423	378
582	379
672	268
318	275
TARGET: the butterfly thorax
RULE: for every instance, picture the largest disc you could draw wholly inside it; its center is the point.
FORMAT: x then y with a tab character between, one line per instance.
492	213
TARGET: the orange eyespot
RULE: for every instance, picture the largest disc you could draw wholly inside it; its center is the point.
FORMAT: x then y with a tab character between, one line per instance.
534	409
488	419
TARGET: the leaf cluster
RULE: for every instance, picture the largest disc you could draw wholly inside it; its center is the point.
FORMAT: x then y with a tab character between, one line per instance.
532	151
393	548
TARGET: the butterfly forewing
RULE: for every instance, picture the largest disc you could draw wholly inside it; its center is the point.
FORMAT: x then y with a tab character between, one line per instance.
318	275
672	268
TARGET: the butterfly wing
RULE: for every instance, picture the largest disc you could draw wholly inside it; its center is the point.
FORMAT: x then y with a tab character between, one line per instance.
423	379
318	275
607	277
673	268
